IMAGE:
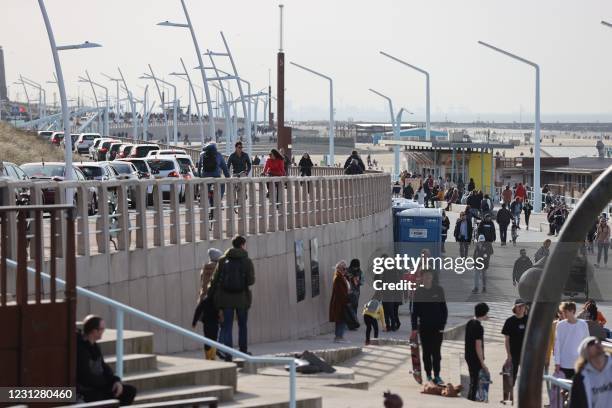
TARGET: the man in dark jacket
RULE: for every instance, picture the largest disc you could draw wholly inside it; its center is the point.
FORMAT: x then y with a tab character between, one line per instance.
210	164
463	234
429	315
354	155
503	219
487	228
520	266
239	161
95	379
231	293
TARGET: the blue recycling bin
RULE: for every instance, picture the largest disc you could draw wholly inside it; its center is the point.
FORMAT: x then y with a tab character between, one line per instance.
398	205
419	228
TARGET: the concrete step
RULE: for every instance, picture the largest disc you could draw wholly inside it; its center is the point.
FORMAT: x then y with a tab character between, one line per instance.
250	401
175	372
134	342
134	363
221	392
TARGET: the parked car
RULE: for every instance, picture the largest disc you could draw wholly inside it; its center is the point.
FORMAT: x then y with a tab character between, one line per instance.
100	171
56	171
124	150
96	145
101	154
12	172
166	167
113	150
142	166
84	141
164	152
127	171
142	150
188	170
45	134
73	137
57	138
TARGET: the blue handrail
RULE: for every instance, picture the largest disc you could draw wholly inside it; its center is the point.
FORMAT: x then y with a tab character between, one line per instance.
122	308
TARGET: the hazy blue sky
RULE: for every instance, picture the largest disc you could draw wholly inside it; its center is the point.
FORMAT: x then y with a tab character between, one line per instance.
343	38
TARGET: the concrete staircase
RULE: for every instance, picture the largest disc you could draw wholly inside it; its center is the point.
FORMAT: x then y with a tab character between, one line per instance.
161	378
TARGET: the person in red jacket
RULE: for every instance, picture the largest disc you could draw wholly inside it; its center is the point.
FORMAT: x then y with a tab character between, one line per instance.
521	192
275	165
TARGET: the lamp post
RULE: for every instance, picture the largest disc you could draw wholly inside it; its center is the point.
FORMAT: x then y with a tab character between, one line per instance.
185	75
396	132
427	99
330	159
537	201
62	90
42	95
132	106
106	99
189	25
228	120
174	119
116	80
25	91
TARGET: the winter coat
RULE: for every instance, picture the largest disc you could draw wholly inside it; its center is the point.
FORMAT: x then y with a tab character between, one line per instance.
445	226
221	166
503	216
587	382
520	266
359	162
471	185
205	276
223	299
238	164
93	374
457	232
487	228
274	168
603	234
305	166
339	298
521	192
507	196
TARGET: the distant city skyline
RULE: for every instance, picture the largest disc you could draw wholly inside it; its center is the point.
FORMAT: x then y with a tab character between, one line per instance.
342	39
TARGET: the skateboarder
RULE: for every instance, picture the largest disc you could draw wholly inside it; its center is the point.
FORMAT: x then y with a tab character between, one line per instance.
474	347
514	332
429	314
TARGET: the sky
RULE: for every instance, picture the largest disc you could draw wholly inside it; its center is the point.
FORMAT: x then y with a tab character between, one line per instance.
342	39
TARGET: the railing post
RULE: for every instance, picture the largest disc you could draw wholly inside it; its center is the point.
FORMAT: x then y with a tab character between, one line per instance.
159	234
175	214
263	208
252	207
305	204
230	202
282	222
297	208
60	198
119	344
242	206
333	199
141	215
83	221
290	207
292	385
273	227
217	211
317	200
324	200
189	213
102	222
123	219
204	212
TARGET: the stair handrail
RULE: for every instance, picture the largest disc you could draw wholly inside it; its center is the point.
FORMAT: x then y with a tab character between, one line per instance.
121	308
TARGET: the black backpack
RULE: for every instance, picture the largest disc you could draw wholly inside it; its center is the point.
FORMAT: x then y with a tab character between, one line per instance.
352	168
209	162
233	276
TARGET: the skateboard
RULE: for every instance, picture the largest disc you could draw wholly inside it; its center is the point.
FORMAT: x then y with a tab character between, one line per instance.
507	383
415	353
484	380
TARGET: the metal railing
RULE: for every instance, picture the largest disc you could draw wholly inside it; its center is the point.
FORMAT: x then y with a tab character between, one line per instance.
121	309
561	385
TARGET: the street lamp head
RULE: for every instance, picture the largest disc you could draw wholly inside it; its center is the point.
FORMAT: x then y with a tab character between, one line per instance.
170	24
606	23
86	44
177	73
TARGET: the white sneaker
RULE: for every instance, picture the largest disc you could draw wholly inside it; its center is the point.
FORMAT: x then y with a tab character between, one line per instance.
341	340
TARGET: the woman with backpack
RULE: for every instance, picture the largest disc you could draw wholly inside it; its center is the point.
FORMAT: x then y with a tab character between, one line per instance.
373	313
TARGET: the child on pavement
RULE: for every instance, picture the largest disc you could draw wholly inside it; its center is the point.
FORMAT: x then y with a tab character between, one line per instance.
372	314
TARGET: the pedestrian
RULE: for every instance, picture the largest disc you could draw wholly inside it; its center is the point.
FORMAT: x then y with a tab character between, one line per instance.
474	347
207	270
591	235
507	195
463	234
256	160
543	251
360	169
514	233
239	161
592	385
602	237
527	208
521	192
482	251
231	282
516	208
471	185
568	335
95	380
208	314
286	160
486	205
514	333
420	196
520	266
487	228
373	313
355	277
274	167
445	227
503	220
408	191
339	301
305	165
428	317
211	164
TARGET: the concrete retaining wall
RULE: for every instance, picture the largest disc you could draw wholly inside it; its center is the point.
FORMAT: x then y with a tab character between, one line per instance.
164	281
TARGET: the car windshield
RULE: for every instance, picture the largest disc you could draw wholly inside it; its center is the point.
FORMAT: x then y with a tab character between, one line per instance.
161	165
46	171
122	168
91	172
106	145
89	137
146	149
184	163
140	165
115	147
127	150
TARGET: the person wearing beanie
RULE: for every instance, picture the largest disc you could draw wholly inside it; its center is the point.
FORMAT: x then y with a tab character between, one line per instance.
207	270
592	385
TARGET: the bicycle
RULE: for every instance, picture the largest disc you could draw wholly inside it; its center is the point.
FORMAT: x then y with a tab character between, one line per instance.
237	190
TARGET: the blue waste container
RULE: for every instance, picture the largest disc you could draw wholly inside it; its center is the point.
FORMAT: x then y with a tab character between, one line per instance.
398	205
419	228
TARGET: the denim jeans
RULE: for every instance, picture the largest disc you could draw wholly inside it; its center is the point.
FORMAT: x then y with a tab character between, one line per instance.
602	248
477	274
227	326
340	328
